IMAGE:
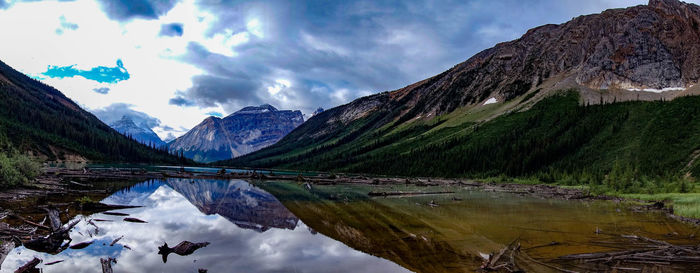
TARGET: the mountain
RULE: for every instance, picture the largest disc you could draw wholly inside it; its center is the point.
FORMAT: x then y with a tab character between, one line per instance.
250	129
549	104
39	119
238	201
142	134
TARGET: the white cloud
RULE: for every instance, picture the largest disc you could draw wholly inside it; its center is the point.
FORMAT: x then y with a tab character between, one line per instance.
151	60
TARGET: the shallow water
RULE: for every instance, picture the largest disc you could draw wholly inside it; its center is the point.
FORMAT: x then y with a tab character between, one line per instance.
283	227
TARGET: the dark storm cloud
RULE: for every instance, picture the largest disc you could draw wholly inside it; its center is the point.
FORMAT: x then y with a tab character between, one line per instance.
180	101
124	10
174	29
116	111
334	51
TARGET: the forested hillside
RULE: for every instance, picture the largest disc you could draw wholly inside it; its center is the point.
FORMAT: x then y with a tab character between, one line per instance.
37	118
557	139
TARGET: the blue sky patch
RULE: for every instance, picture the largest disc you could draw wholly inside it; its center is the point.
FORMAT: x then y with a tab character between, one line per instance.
216	114
101	74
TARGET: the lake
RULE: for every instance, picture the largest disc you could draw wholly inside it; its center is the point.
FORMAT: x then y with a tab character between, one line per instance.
285	227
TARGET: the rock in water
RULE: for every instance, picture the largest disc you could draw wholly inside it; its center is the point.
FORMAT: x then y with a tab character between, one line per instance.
248	130
184	248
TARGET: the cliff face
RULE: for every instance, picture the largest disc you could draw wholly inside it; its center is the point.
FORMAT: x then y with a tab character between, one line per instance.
248	130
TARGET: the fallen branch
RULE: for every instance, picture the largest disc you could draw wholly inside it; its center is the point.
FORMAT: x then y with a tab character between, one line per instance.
30	222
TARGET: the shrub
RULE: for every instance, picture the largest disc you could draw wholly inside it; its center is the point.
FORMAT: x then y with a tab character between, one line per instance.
9	175
27	166
17	169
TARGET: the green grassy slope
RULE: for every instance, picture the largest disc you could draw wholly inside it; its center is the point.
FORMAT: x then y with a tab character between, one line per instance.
38	118
557	139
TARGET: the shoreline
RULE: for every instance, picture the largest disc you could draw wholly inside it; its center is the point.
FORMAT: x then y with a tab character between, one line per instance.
74	191
55	181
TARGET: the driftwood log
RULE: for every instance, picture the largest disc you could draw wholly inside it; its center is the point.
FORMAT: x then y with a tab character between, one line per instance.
82	245
29	266
184	248
649	252
401	193
53	243
134	220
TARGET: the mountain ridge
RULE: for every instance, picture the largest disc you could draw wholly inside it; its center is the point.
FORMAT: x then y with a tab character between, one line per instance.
618	55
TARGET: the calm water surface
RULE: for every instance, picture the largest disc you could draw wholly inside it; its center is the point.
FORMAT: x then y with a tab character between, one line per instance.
283	227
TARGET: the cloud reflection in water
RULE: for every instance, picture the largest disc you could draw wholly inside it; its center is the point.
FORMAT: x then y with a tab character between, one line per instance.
287	247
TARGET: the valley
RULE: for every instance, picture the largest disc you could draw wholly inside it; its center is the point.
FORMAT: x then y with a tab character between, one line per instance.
539	144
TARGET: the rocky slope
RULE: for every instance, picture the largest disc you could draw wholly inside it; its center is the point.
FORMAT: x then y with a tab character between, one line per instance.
142	134
250	129
645	52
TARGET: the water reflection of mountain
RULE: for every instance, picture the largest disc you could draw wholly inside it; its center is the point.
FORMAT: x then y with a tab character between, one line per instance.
237	201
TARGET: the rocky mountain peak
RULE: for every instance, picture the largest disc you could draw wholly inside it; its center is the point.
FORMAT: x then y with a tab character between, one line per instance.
256	109
211	119
247	130
665	4
678	9
126	120
140	133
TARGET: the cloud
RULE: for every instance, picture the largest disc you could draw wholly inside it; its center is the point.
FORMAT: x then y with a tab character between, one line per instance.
173	29
215	114
324	56
296	55
101	90
100	74
335	52
116	111
170	137
124	10
180	101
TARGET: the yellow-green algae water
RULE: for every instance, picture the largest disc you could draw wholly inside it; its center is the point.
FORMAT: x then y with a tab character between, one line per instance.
452	232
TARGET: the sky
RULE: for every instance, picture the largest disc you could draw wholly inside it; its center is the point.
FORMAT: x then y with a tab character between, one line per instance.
171	63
